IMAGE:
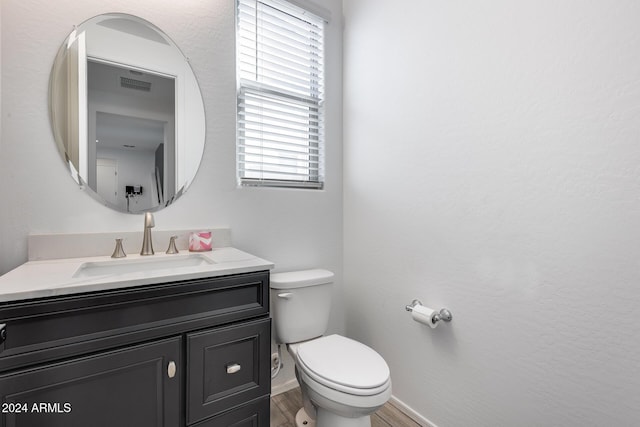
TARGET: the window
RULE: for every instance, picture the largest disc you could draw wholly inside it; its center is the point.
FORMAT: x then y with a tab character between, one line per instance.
280	116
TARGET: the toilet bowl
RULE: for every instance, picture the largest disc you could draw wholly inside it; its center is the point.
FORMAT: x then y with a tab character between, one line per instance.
342	380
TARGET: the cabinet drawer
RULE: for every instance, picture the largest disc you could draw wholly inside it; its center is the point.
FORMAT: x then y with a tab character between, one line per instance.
227	367
53	328
253	414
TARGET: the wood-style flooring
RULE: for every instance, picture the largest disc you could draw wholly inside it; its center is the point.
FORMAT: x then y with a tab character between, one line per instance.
284	407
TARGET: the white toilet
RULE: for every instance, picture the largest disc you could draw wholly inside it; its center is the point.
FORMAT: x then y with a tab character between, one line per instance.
342	381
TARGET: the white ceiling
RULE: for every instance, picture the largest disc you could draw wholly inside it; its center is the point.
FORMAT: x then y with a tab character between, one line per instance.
115	131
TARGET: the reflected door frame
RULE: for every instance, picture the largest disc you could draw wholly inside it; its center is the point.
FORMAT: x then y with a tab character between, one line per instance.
107	179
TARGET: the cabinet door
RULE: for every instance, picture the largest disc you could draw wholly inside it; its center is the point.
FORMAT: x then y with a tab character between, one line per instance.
227	367
128	387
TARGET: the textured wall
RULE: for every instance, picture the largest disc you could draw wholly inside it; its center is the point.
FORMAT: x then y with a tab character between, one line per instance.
492	167
294	229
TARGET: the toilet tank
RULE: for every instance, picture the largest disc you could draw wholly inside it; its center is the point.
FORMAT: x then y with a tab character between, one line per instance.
301	304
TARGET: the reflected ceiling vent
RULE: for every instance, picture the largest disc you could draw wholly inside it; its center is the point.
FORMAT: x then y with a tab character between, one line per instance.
135	84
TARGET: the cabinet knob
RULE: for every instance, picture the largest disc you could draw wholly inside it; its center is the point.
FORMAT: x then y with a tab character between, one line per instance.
232	369
171	369
3	335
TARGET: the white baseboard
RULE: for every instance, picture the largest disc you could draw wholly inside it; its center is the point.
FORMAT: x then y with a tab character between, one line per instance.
411	412
282	388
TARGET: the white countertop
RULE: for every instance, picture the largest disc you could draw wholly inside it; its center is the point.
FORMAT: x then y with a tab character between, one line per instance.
38	279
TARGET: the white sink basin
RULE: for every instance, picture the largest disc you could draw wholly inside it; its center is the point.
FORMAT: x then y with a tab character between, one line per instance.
135	265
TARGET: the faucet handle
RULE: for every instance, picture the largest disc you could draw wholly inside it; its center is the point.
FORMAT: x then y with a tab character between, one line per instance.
118	252
172	245
148	220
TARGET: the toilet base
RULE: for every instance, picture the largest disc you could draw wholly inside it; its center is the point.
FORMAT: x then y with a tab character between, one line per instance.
330	419
303	419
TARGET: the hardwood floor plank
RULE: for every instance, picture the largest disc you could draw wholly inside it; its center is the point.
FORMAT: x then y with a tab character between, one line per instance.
289	403
277	418
376	421
395	416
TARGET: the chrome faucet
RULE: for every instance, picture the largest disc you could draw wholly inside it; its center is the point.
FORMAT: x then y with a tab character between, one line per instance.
147	243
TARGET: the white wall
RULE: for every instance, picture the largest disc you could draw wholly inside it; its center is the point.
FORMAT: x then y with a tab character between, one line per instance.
491	167
293	228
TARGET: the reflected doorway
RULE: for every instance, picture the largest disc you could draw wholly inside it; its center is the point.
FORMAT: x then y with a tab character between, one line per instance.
131	119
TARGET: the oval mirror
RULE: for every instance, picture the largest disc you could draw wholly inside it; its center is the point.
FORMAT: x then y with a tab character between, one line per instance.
126	113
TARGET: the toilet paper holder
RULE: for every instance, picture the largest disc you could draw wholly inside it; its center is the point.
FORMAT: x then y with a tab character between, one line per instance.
444	314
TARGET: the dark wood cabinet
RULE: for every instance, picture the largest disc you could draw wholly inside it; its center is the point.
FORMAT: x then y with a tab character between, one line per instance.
174	354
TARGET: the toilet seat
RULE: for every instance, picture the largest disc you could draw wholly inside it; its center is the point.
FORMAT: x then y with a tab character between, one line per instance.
344	365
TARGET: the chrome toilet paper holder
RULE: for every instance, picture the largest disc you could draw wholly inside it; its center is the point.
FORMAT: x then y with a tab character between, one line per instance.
444	314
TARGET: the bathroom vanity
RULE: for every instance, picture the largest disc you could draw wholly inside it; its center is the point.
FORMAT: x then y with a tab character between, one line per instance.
188	346
159	340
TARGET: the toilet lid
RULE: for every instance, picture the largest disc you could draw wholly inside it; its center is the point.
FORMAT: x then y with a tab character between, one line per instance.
340	360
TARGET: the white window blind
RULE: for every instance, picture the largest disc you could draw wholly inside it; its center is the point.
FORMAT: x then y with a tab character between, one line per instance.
280	117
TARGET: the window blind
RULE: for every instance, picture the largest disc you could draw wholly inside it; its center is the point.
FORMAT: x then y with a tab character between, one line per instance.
280	111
